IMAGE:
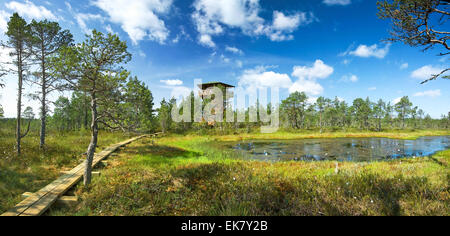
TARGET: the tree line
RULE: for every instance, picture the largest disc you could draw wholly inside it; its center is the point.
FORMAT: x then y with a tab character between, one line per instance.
297	112
363	114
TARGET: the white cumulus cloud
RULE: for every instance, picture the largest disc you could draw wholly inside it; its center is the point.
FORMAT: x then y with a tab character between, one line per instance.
307	77
404	66
350	78
214	17
259	77
370	51
4	18
283	22
139	18
310	87
318	71
283	25
172	82
397	100
30	10
234	50
428	93
426	72
206	40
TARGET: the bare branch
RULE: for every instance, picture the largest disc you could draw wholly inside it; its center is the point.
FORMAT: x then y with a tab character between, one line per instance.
442	12
28	130
435	76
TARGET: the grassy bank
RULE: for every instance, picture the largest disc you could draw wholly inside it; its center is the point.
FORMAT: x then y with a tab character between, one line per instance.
183	176
395	134
35	168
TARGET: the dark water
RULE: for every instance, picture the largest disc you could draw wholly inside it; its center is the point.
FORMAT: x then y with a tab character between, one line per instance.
340	149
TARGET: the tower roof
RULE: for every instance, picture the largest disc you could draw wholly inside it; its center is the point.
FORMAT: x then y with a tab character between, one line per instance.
213	84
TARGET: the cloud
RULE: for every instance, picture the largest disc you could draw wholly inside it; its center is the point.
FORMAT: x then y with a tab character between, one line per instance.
139	18
181	35
428	93
142	54
4	18
6	61
180	91
340	99
372	88
307	77
397	100
214	17
337	2
110	30
425	72
176	88
369	51
308	86
283	22
350	78
30	10
318	71
224	58
172	82
259	77
234	50
404	66
82	18
205	40
283	25
239	63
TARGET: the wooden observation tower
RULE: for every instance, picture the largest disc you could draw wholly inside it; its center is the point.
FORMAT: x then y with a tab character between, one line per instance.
206	90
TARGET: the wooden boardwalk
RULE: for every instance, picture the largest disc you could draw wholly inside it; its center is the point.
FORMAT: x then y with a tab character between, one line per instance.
40	201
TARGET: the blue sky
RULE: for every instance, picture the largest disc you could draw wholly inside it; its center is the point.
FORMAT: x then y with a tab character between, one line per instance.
322	47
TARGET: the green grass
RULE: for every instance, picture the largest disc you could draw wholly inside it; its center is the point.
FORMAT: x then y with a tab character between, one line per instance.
36	168
184	175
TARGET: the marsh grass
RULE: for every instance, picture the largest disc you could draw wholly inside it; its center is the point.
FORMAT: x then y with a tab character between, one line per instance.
36	168
187	176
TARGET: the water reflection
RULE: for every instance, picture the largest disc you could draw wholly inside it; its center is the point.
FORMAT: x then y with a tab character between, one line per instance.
340	149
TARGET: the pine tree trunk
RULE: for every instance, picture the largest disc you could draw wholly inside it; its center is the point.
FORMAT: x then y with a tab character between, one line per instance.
93	143
19	103
43	102
43	112
43	126
320	122
379	124
85	112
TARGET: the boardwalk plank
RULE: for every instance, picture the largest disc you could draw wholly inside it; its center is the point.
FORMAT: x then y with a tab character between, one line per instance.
41	200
